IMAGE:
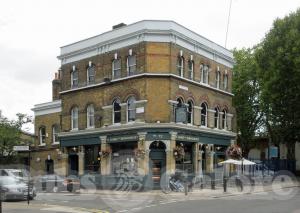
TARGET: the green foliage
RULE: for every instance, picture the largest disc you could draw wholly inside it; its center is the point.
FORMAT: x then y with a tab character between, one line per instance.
278	58
246	99
10	132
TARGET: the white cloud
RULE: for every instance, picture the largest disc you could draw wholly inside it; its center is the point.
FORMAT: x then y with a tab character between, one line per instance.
32	31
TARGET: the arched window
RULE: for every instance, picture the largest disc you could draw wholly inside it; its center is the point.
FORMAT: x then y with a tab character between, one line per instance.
225	82
116	68
218	79
180	66
131	65
217	117
224	119
131	109
90	116
74	115
74	77
91	74
203	114
191	69
190	112
55	131
42	135
116	111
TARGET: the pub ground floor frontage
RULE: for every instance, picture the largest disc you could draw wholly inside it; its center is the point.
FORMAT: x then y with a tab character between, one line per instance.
151	152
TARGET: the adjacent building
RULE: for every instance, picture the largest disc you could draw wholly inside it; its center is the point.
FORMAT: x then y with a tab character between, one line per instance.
129	100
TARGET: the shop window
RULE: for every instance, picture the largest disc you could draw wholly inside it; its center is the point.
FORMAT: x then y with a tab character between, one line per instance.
91	74
74	116
190	112
42	135
131	109
74	77
116	68
186	162
191	69
203	114
90	114
116	111
131	65
55	131
217	117
180	66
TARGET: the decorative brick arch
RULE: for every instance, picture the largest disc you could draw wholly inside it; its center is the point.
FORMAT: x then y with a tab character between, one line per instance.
225	106
131	92
204	98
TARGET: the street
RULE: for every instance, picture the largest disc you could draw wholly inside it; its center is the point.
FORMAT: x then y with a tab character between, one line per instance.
158	202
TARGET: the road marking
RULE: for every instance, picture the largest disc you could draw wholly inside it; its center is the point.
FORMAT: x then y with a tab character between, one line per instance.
125	210
150	205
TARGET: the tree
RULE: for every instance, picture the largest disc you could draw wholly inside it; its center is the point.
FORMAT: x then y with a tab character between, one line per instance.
10	133
246	99
279	77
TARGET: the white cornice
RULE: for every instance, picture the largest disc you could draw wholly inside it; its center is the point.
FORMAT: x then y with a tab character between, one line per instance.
151	31
151	75
136	126
47	108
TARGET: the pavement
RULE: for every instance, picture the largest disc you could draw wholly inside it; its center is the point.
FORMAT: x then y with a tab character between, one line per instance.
260	198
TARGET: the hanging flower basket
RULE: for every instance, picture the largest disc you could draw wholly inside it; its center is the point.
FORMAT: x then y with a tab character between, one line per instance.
234	152
105	153
178	152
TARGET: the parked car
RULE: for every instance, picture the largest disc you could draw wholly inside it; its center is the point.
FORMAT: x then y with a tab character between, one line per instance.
56	183
20	174
15	189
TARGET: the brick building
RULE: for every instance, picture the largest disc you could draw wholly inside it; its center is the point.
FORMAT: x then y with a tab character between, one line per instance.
125	99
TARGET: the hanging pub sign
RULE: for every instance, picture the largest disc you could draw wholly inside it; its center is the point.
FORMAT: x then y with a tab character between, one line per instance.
181	114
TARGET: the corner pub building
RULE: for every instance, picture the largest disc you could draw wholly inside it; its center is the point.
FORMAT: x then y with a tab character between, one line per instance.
124	100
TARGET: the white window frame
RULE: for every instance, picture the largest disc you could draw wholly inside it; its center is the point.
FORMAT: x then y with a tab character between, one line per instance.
41	136
114	70
205	74
129	66
192	112
74	118
191	69
113	111
225	81
206	111
180	66
54	134
72	78
90	116
218	75
131	109
217	110
88	76
224	120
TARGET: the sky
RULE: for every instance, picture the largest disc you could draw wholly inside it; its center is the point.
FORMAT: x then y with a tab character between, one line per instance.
32	32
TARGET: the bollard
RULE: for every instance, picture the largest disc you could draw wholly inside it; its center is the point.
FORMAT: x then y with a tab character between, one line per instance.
213	181
186	188
0	197
225	184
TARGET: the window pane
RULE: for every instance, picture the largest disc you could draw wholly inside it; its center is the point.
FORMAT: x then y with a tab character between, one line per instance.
91	74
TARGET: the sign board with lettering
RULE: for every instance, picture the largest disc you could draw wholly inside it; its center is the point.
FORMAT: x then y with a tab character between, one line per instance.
21	148
122	138
181	115
158	136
